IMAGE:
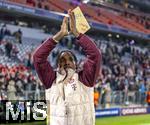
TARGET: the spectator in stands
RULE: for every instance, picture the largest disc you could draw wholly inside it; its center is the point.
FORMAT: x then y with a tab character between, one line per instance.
1	33
4	31
11	90
19	88
148	97
46	7
147	24
96	98
108	95
15	51
18	35
31	2
39	5
7	31
28	61
8	49
2	80
142	90
66	89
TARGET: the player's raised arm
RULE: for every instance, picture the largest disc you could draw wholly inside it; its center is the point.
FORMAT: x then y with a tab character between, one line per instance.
44	70
91	67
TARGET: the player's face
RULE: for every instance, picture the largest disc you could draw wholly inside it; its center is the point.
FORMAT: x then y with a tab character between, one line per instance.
66	61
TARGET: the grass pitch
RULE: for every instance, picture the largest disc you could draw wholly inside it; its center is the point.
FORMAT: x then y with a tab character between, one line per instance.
125	120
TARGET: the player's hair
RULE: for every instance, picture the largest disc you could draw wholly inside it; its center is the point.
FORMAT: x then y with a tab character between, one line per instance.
67	51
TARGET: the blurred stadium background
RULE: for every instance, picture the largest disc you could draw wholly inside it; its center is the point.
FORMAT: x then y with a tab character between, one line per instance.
120	28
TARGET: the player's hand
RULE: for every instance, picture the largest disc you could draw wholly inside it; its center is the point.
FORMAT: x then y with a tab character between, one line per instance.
64	27
63	31
72	23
